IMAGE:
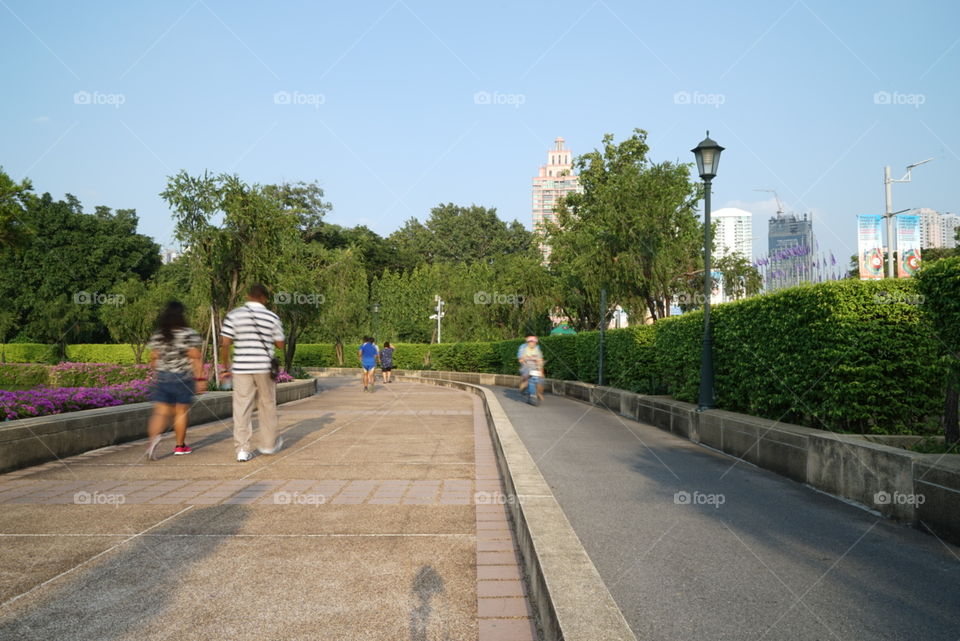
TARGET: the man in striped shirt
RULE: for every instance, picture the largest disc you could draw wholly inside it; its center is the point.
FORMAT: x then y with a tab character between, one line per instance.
253	331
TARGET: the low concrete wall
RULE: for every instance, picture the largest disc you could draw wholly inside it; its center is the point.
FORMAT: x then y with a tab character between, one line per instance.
31	441
920	489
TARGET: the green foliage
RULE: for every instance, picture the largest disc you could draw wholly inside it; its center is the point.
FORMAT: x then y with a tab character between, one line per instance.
14	376
118	354
455	234
465	357
851	356
95	374
630	360
315	355
939	285
30	353
632	231
59	264
559	355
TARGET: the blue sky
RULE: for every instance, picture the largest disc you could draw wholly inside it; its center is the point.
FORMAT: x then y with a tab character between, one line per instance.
811	98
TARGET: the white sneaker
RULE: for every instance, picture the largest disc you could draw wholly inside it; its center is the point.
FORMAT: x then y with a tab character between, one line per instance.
273	450
243	456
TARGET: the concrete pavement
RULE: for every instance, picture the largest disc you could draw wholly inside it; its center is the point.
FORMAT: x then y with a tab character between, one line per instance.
693	544
363	527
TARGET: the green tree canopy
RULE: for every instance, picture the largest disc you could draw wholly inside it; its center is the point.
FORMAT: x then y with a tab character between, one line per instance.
632	231
68	263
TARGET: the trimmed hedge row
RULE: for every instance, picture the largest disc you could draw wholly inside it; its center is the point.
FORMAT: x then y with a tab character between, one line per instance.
845	356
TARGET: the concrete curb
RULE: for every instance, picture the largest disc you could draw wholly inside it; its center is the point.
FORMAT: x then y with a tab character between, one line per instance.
31	441
571	600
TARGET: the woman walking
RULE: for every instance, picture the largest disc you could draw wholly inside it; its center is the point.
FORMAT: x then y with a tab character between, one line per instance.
386	361
176	359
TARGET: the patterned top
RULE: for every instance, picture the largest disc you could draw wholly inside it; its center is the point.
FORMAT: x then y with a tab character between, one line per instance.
172	356
386	357
253	329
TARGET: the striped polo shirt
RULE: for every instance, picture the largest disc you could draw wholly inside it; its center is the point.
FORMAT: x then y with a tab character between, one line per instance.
253	329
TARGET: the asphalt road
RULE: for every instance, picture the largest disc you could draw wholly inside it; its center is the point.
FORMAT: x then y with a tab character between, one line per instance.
693	544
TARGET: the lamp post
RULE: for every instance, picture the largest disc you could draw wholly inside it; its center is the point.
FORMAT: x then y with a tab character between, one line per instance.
374	310
707	154
889	214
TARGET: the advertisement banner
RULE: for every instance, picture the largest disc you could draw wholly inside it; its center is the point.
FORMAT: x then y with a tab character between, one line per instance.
869	246
908	245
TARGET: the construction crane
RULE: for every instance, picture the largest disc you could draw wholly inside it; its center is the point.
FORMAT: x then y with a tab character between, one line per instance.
777	198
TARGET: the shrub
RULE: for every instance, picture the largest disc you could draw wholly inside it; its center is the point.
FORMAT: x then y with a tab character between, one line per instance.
29	353
465	357
844	356
23	375
95	374
117	354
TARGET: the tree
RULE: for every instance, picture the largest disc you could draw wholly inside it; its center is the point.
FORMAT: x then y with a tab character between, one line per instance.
303	200
72	255
344	311
257	233
455	234
14	199
741	279
299	297
131	320
632	231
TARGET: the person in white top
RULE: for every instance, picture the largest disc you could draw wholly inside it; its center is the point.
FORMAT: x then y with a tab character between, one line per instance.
253	331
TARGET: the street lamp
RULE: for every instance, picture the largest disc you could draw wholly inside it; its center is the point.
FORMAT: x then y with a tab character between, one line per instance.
889	214
375	309
707	154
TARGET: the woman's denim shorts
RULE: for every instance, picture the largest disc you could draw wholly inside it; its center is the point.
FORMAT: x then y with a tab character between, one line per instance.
173	388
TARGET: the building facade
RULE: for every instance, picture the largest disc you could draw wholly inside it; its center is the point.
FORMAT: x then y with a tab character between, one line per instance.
791	250
949	223
936	229
931	231
734	232
555	180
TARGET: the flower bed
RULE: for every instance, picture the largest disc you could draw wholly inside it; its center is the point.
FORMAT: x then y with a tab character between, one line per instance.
103	392
43	401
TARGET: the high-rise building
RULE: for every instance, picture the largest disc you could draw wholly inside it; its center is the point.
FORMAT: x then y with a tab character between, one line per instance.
949	223
556	180
169	255
792	248
936	229
931	230
734	232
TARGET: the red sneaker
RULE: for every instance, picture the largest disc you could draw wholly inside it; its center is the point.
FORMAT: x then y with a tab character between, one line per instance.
182	449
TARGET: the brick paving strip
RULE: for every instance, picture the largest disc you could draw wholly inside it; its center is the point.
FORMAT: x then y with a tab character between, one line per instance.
376	521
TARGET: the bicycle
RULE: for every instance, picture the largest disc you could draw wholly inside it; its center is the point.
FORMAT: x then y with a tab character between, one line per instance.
533	382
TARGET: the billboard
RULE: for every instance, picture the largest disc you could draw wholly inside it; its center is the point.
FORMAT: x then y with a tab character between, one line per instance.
908	245
869	247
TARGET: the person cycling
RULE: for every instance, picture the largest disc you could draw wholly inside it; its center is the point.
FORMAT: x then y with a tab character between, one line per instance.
530	357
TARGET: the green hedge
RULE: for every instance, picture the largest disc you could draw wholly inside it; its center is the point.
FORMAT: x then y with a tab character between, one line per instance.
29	353
846	356
118	354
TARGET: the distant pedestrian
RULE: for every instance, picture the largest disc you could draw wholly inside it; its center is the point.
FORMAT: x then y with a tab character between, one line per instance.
178	364
368	354
253	331
386	361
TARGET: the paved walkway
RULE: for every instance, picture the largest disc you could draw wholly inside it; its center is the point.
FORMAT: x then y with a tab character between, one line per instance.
693	544
365	526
